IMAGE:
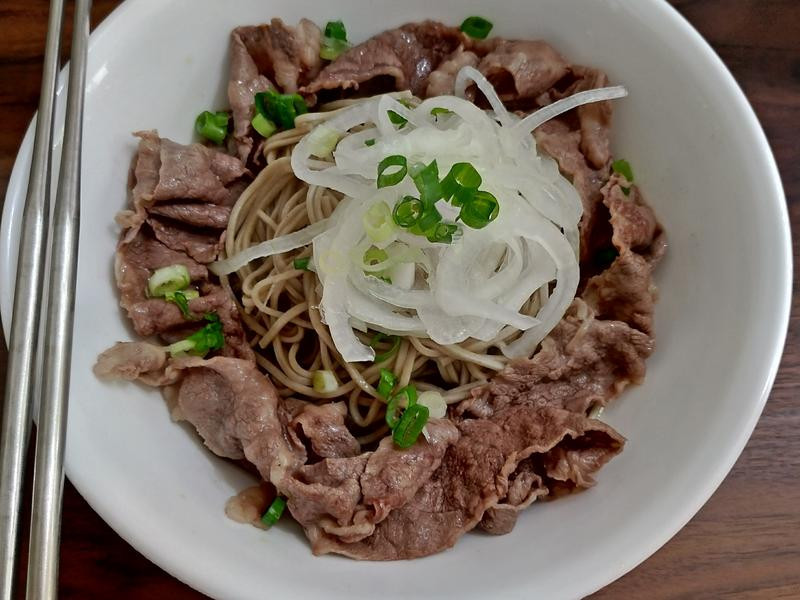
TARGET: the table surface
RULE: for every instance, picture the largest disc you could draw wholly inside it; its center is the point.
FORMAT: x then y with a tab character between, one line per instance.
744	543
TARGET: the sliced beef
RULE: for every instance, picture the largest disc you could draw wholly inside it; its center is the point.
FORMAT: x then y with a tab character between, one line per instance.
236	411
260	54
441	82
633	222
522	69
564	145
474	476
406	56
344	499
136	361
582	363
325	431
524	487
194	214
202	246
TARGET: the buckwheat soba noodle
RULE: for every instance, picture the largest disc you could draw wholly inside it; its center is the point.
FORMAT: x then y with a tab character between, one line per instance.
404	309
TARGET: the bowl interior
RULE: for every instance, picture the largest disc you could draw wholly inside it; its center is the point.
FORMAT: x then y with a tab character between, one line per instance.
700	157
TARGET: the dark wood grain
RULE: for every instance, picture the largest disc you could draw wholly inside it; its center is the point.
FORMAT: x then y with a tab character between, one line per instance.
745	543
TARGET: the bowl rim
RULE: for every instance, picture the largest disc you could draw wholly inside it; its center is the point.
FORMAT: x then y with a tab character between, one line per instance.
774	192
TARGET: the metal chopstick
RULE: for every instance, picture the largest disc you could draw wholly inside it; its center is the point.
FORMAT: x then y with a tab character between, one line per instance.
48	475
27	302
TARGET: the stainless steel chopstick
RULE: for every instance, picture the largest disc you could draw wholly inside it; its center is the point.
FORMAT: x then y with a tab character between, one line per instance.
48	474
25	323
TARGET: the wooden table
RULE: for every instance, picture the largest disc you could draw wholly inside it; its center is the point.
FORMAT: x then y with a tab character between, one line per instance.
744	543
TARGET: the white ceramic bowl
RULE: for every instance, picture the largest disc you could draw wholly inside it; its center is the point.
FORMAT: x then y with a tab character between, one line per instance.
698	152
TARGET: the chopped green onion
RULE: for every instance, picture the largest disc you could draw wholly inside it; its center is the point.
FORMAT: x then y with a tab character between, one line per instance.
460	183
212	125
274	512
181	298
281	109
375	256
396	176
410	426
168	279
322	140
301	263
408	211
378	223
370	142
324	382
436	111
403	399
426	179
623	167
397	119
200	342
263	126
443	233
435	403
335	30
481	210
386	383
476	27
382	337
428	220
331	48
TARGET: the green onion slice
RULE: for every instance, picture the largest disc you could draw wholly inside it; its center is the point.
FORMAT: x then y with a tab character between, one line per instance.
408	211
623	167
332	48
403	399
476	27
200	342
168	279
274	511
324	382
426	179
378	223
397	119
481	210
410	426
301	263
438	110
386	383
443	233
428	220
281	109
394	177
370	142
379	338
375	256
336	30
263	126
212	125
181	298
460	183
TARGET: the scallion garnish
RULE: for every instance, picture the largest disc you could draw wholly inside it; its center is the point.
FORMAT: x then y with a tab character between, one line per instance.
426	179
280	109
394	177
335	30
334	43
379	338
436	111
476	27
301	263
443	233
375	256
274	511
410	425
480	210
402	400
429	218
263	126
623	167
181	298
370	142
408	211
168	279
324	382
386	383
460	183
378	223
397	119
200	342
212	125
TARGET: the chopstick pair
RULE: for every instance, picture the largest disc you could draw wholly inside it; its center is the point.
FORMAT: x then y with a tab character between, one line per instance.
56	335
